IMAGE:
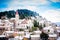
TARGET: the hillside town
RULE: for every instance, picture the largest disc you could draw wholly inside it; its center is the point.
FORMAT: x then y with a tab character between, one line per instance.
27	28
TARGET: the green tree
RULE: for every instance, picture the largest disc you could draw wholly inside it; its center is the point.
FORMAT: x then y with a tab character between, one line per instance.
33	29
44	25
40	27
36	24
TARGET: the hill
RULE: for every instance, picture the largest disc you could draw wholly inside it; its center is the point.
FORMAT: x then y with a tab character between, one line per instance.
23	13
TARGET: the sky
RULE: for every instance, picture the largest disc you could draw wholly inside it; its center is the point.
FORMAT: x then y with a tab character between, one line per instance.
50	9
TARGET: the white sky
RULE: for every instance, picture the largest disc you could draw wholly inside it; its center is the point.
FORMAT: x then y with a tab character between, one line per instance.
52	15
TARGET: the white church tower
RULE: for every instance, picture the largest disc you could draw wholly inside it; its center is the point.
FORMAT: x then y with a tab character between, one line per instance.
17	18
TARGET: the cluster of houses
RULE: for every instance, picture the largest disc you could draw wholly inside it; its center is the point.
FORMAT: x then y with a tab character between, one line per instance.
14	24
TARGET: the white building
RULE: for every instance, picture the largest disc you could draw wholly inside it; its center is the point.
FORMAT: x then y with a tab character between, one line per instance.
49	29
25	23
